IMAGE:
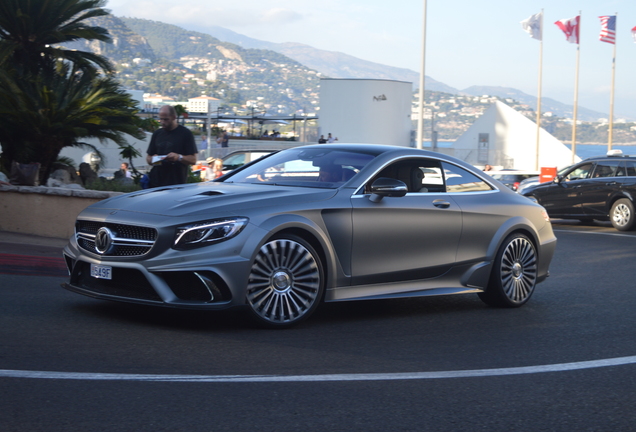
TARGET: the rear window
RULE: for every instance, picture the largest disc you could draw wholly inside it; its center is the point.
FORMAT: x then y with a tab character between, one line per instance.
460	180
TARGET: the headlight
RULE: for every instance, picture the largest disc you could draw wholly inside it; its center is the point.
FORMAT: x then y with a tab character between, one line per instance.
204	233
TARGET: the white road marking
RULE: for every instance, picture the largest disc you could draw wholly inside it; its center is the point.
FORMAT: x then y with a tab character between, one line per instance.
561	367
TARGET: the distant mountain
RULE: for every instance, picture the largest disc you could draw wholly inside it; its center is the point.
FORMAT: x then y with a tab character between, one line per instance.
339	65
547	105
126	42
133	37
330	63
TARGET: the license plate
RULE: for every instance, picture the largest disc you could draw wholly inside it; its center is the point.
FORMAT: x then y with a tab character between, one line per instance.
101	271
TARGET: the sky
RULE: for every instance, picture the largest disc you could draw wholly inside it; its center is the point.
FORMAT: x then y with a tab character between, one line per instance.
468	42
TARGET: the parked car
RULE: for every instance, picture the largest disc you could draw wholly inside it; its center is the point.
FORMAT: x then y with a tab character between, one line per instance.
599	188
512	178
239	158
531	181
330	222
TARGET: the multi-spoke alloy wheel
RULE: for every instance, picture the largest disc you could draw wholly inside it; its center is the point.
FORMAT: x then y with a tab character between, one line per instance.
622	215
285	283
514	273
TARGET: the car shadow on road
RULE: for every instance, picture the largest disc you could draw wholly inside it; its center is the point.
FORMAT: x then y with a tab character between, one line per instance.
160	317
328	314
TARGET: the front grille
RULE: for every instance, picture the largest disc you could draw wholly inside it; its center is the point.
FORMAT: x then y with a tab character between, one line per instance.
128	283
127	240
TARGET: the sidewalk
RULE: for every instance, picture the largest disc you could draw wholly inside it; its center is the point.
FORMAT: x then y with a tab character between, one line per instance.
31	255
31	245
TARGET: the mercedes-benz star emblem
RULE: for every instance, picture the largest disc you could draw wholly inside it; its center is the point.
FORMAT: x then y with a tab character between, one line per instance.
103	240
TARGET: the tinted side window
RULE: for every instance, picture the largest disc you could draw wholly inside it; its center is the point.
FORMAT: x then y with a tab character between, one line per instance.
420	175
459	180
629	167
605	169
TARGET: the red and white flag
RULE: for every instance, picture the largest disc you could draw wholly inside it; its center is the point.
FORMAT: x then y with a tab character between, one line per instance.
634	33
571	28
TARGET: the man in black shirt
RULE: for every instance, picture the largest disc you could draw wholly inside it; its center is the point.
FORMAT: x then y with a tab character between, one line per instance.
175	145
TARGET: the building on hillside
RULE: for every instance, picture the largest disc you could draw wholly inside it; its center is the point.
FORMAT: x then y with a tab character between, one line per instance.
503	137
152	102
370	111
203	104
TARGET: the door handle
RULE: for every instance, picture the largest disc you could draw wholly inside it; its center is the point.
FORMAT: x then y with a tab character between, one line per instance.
441	203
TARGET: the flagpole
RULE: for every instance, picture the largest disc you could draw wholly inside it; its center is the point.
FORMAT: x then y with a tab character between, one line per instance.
576	93
611	119
420	119
536	164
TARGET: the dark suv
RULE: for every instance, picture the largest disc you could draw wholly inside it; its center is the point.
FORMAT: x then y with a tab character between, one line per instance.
598	188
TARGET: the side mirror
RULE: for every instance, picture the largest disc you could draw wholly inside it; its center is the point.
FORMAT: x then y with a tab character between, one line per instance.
558	179
387	187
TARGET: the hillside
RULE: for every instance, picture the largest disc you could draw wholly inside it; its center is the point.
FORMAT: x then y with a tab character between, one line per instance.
257	76
547	105
331	63
127	44
161	58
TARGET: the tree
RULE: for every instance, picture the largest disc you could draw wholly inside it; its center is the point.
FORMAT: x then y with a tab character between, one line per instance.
129	151
52	97
181	111
59	108
32	33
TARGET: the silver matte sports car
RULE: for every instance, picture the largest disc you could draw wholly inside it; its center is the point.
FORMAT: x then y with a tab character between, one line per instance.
331	222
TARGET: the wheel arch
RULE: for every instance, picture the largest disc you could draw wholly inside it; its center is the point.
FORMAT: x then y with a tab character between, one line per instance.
616	197
309	231
480	274
515	225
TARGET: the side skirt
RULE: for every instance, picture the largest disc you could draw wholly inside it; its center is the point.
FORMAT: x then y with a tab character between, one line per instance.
459	280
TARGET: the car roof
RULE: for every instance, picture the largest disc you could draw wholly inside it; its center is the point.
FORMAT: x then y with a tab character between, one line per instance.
611	154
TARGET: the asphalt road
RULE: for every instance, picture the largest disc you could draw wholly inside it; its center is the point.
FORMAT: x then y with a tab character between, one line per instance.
566	361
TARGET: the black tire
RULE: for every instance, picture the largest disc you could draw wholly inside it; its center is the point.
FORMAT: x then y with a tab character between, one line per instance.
514	273
286	282
622	215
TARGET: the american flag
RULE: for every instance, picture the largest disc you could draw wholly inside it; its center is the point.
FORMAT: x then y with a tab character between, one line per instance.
608	29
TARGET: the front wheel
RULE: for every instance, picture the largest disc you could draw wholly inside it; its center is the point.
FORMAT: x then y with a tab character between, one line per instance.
622	215
514	273
286	282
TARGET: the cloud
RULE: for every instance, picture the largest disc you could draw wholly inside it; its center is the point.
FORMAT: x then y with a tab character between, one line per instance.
280	16
191	13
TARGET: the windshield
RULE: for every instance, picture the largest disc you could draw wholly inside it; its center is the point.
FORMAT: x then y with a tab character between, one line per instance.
309	167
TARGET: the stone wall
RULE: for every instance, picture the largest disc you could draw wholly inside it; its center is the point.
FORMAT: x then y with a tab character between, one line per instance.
44	211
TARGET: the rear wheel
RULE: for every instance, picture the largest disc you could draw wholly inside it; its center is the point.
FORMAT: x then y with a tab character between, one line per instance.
622	215
286	282
514	273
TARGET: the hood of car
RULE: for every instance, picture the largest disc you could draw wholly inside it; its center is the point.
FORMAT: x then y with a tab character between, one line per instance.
192	199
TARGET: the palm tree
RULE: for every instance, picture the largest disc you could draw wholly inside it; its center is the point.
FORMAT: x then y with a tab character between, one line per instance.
59	108
32	31
181	112
52	97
